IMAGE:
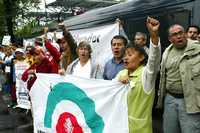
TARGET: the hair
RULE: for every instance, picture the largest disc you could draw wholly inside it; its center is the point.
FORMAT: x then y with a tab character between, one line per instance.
71	42
39	49
141	50
141	34
70	54
84	44
58	41
30	49
193	26
120	37
66	58
172	26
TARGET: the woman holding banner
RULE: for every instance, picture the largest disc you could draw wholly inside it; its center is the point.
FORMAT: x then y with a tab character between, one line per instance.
141	79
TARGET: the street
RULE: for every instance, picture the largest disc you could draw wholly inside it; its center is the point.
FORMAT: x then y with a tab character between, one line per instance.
13	120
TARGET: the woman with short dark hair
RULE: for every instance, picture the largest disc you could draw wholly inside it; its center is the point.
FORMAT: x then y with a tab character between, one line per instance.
84	66
141	78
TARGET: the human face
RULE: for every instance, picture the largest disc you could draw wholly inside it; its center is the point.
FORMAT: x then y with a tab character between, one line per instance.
192	33
139	40
19	55
83	54
132	59
38	57
27	54
117	47
177	36
8	51
64	45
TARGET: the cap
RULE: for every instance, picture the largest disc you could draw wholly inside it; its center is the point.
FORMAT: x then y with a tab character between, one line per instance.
20	50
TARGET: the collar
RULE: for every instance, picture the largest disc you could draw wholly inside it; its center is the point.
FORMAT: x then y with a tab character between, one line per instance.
113	61
189	50
137	72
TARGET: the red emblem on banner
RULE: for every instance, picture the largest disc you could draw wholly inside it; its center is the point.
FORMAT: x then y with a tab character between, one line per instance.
67	123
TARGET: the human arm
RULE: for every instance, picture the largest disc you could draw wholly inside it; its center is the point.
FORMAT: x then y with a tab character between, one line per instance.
52	50
1	62
49	46
29	76
152	67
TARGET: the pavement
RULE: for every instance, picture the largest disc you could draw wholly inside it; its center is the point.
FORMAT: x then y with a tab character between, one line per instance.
13	120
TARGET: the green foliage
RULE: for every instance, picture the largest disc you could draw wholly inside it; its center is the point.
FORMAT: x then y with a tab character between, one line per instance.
10	10
28	30
2	19
32	29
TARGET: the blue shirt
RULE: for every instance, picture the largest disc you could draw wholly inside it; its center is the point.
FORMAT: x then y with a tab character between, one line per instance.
111	69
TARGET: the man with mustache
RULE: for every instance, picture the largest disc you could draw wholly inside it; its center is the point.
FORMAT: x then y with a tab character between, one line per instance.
179	91
114	65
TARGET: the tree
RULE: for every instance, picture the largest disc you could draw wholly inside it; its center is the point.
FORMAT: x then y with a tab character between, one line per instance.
10	10
2	19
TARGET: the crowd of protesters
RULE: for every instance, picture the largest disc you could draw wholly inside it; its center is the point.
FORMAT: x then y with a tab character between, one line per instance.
136	63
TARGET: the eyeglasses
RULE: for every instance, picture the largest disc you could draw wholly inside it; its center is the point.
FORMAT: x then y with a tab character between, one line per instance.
180	33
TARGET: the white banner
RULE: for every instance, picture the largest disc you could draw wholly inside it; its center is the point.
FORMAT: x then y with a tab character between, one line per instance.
21	86
99	39
75	105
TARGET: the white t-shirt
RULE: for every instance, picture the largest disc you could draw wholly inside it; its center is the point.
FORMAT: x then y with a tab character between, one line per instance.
82	71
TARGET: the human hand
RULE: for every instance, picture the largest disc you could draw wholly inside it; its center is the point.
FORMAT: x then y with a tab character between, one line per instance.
45	33
61	72
152	25
1	62
120	22
124	79
61	25
46	30
153	28
31	71
14	61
